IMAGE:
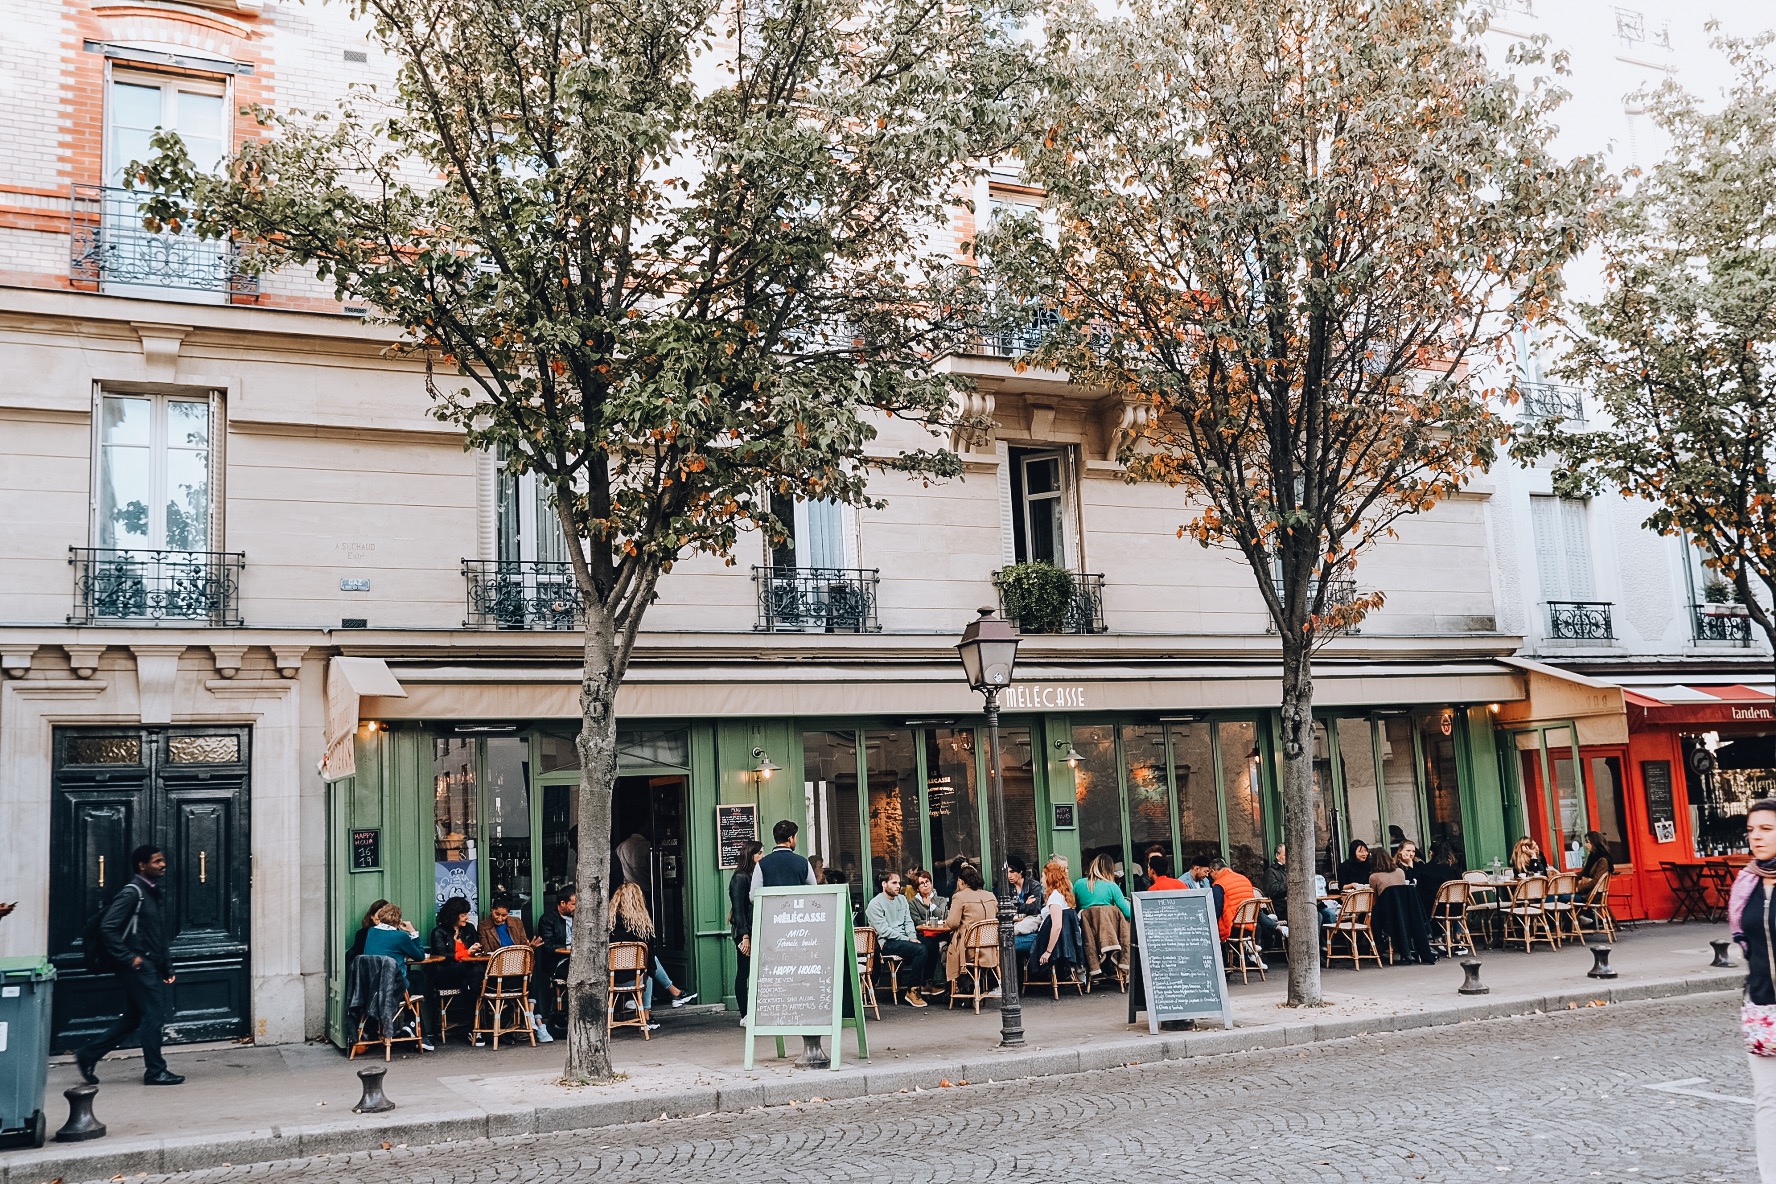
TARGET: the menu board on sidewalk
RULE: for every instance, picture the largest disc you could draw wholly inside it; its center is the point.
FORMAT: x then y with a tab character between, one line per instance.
735	826
803	952
1177	973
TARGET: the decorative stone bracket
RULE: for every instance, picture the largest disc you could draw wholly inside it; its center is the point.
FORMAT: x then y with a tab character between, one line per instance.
975	431
1123	420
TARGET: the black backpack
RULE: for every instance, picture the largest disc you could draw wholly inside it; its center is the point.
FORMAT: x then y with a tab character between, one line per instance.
93	954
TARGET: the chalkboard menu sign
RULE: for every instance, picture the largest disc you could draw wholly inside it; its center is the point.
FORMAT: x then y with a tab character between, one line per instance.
735	826
366	849
1661	809
803	950
1178	970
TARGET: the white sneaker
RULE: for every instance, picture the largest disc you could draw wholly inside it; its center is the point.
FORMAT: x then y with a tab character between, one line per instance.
1283	928
684	997
543	1035
426	1046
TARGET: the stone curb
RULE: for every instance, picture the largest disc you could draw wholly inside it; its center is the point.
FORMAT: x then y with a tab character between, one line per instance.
102	1160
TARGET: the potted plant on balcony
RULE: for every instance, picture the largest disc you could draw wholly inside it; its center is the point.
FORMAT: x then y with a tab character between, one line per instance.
1038	596
1721	599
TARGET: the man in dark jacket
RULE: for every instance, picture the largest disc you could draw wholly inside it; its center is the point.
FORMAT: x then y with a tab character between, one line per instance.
556	931
782	867
136	940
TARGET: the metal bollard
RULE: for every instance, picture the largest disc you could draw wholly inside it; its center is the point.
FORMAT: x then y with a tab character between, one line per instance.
1723	955
374	1100
1471	978
1600	967
813	1056
81	1124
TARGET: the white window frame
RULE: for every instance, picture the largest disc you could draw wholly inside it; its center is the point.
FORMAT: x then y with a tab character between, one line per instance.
157	464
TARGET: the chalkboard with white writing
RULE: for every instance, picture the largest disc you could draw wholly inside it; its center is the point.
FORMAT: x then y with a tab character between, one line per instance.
735	826
1180	974
803	951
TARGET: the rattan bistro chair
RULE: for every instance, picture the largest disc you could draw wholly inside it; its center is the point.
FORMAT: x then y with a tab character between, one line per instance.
1562	906
865	937
1594	918
1353	928
1449	913
1526	917
404	1027
1241	946
628	958
1483	908
506	989
980	957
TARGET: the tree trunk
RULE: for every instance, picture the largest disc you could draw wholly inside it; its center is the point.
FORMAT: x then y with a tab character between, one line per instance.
1298	824
588	972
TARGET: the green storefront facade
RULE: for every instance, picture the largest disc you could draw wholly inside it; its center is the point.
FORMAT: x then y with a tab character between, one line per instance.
486	809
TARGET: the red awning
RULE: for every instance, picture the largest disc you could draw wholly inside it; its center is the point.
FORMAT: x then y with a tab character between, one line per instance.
1710	706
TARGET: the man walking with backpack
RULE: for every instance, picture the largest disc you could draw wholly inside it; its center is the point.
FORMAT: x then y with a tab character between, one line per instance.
133	935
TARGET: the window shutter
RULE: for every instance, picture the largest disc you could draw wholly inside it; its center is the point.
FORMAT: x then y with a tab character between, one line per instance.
1576	539
1544	515
1007	533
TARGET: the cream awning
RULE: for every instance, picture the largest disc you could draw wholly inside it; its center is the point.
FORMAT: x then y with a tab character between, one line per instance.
349	681
1597	709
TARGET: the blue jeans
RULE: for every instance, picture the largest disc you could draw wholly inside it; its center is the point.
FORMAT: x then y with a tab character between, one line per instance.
658	976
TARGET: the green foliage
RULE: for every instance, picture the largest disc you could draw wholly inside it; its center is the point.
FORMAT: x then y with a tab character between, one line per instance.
1680	353
1287	228
1038	596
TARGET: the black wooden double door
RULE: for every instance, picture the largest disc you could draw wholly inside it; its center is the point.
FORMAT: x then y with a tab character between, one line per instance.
186	791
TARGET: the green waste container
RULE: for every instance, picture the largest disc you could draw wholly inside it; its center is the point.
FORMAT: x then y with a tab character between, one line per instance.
25	988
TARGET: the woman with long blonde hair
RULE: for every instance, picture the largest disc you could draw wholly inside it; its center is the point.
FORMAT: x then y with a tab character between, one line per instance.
1526	858
631	922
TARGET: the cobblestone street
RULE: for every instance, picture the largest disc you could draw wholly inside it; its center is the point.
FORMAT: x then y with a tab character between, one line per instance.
1563	1097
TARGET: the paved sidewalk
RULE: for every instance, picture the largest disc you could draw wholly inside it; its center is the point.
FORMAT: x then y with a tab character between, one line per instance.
243	1104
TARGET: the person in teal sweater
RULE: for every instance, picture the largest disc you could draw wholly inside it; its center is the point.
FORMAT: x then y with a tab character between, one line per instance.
1098	886
394	937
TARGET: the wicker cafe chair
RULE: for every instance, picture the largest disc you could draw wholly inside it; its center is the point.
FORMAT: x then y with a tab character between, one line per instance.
1562	914
865	937
1594	918
1526	918
506	986
447	997
1241	946
1449	913
980	957
406	1019
1483	906
1352	925
628	958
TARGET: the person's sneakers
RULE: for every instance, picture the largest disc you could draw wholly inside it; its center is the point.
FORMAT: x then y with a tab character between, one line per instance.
426	1045
1283	928
164	1077
85	1068
684	997
628	1004
995	993
543	1034
913	998
653	1027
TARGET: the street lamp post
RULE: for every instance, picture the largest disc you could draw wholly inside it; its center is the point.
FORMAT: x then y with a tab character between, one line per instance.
989	651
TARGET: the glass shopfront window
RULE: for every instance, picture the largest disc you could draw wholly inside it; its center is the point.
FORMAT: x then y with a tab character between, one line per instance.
1147	792
1199	804
829	772
1022	836
1362	791
1612	813
1242	782
1443	811
895	836
455	819
952	800
1399	779
1099	796
507	761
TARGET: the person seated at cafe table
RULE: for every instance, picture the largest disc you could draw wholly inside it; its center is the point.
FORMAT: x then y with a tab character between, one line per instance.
971	903
555	931
1406	861
891	917
502	927
1598	863
364	926
1445	865
1356	869
1099	886
1231	890
1026	903
630	921
1399	917
928	908
1527	859
392	936
1159	874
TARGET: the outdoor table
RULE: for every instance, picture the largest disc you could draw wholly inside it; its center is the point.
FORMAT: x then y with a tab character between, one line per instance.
1689	895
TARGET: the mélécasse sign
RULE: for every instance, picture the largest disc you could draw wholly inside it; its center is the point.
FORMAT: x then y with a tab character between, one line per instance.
1042	697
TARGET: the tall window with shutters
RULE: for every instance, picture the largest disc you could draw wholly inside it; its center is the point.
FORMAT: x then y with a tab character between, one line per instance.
1564	567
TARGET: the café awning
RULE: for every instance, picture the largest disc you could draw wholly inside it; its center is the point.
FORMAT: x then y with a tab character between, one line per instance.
349	682
1702	706
1597	709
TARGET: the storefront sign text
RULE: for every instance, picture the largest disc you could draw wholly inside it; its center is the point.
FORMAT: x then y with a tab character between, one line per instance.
1026	697
1752	713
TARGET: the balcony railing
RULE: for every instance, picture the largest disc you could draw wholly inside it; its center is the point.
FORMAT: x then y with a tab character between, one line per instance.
1580	620
521	594
1712	622
139	585
817	599
109	245
1543	400
1085	613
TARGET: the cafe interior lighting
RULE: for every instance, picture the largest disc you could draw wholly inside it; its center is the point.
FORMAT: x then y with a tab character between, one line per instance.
1072	757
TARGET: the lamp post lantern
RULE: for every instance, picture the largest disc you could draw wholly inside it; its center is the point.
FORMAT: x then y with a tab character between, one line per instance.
989	651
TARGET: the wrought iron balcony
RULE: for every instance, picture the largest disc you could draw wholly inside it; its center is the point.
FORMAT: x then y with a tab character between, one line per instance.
109	245
1085	614
1543	400
1714	622
138	585
1580	620
817	599
521	594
